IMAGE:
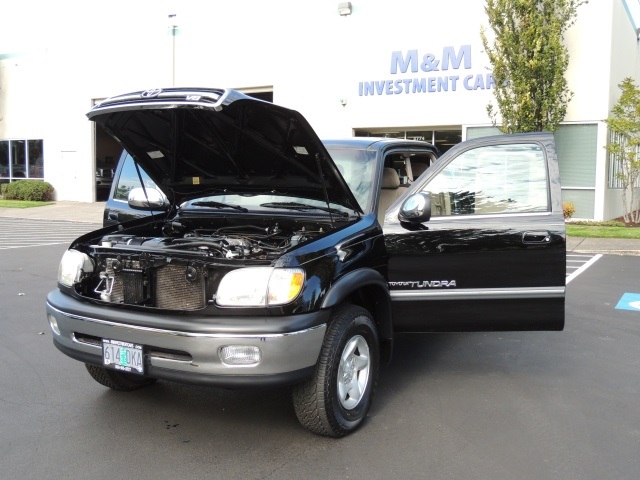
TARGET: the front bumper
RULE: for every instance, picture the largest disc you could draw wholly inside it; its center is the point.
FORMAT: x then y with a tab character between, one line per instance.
185	348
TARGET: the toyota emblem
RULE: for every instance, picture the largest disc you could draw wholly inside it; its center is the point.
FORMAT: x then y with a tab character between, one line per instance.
151	93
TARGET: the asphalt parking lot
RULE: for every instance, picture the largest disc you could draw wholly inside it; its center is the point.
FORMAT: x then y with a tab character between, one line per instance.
524	405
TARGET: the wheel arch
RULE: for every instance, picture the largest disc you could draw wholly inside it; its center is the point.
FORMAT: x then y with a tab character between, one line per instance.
368	289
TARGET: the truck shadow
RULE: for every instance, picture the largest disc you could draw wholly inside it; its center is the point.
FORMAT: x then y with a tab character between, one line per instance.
189	414
422	363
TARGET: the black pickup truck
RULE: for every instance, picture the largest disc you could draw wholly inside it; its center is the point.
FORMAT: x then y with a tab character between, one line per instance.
262	255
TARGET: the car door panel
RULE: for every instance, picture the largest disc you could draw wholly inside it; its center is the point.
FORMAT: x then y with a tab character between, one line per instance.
483	265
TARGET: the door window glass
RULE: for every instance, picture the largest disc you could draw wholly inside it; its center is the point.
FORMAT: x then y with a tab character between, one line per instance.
490	180
129	179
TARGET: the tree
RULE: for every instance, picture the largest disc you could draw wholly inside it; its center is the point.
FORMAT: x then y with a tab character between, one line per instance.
529	60
624	124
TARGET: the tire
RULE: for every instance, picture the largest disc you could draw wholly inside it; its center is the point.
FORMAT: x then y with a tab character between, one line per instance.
121	381
336	399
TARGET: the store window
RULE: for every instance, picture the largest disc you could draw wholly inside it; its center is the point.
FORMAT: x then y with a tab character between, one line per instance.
617	171
441	138
35	158
21	159
5	164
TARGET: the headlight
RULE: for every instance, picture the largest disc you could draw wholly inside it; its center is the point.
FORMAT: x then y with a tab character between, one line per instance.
259	286
72	266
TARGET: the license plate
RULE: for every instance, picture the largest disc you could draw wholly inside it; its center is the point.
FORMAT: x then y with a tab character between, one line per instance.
123	356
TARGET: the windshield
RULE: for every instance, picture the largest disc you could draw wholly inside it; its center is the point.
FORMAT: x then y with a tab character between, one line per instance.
253	202
356	166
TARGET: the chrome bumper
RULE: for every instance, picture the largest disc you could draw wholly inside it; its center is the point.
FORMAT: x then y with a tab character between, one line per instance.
191	354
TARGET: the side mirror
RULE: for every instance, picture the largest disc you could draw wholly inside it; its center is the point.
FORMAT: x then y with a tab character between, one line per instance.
416	209
156	199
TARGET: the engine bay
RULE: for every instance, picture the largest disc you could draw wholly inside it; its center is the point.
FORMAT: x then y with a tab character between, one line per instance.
181	266
231	242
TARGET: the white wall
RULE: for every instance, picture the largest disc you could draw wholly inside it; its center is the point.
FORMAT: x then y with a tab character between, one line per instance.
624	54
589	42
21	91
358	48
624	62
310	55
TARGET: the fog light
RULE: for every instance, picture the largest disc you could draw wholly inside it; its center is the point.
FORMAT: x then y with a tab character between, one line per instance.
240	355
53	323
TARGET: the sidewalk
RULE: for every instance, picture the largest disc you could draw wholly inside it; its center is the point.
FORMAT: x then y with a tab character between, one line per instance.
609	246
92	213
63	210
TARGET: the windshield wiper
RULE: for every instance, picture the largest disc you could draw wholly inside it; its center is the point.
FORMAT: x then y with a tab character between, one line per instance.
303	206
219	205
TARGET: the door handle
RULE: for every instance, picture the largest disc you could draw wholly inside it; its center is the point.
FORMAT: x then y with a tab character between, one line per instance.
113	215
540	237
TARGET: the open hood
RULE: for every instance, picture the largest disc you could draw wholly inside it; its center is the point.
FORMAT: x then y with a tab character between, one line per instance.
194	142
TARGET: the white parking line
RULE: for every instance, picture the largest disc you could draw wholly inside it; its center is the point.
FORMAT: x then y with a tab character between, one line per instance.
581	269
21	233
4	247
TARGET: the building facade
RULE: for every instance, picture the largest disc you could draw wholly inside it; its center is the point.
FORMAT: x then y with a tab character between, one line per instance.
415	70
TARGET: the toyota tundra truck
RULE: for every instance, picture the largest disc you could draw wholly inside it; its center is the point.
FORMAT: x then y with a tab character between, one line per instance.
244	251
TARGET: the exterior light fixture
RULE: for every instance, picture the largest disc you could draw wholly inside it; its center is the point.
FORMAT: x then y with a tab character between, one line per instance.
344	8
173	27
171	21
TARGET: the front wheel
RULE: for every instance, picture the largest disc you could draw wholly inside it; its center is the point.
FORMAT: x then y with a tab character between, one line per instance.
335	400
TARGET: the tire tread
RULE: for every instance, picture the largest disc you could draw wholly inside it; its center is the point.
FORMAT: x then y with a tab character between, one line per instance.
310	399
119	381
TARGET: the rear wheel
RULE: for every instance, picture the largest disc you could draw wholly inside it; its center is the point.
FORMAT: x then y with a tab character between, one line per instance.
335	401
121	381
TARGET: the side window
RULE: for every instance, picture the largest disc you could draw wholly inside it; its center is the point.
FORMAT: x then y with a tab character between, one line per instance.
492	179
129	179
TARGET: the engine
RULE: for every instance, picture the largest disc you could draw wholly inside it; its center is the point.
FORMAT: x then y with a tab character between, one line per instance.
245	242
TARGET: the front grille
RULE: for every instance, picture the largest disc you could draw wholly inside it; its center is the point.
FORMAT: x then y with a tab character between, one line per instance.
88	339
163	287
169	354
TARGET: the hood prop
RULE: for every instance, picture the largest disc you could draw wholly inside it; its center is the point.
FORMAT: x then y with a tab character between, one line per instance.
324	189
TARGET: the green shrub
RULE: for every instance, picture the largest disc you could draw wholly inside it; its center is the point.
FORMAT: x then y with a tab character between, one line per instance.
33	190
569	209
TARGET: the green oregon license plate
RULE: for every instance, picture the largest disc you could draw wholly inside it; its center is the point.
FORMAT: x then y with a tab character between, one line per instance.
123	356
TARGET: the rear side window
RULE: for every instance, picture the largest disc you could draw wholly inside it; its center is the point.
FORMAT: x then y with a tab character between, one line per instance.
494	179
129	179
